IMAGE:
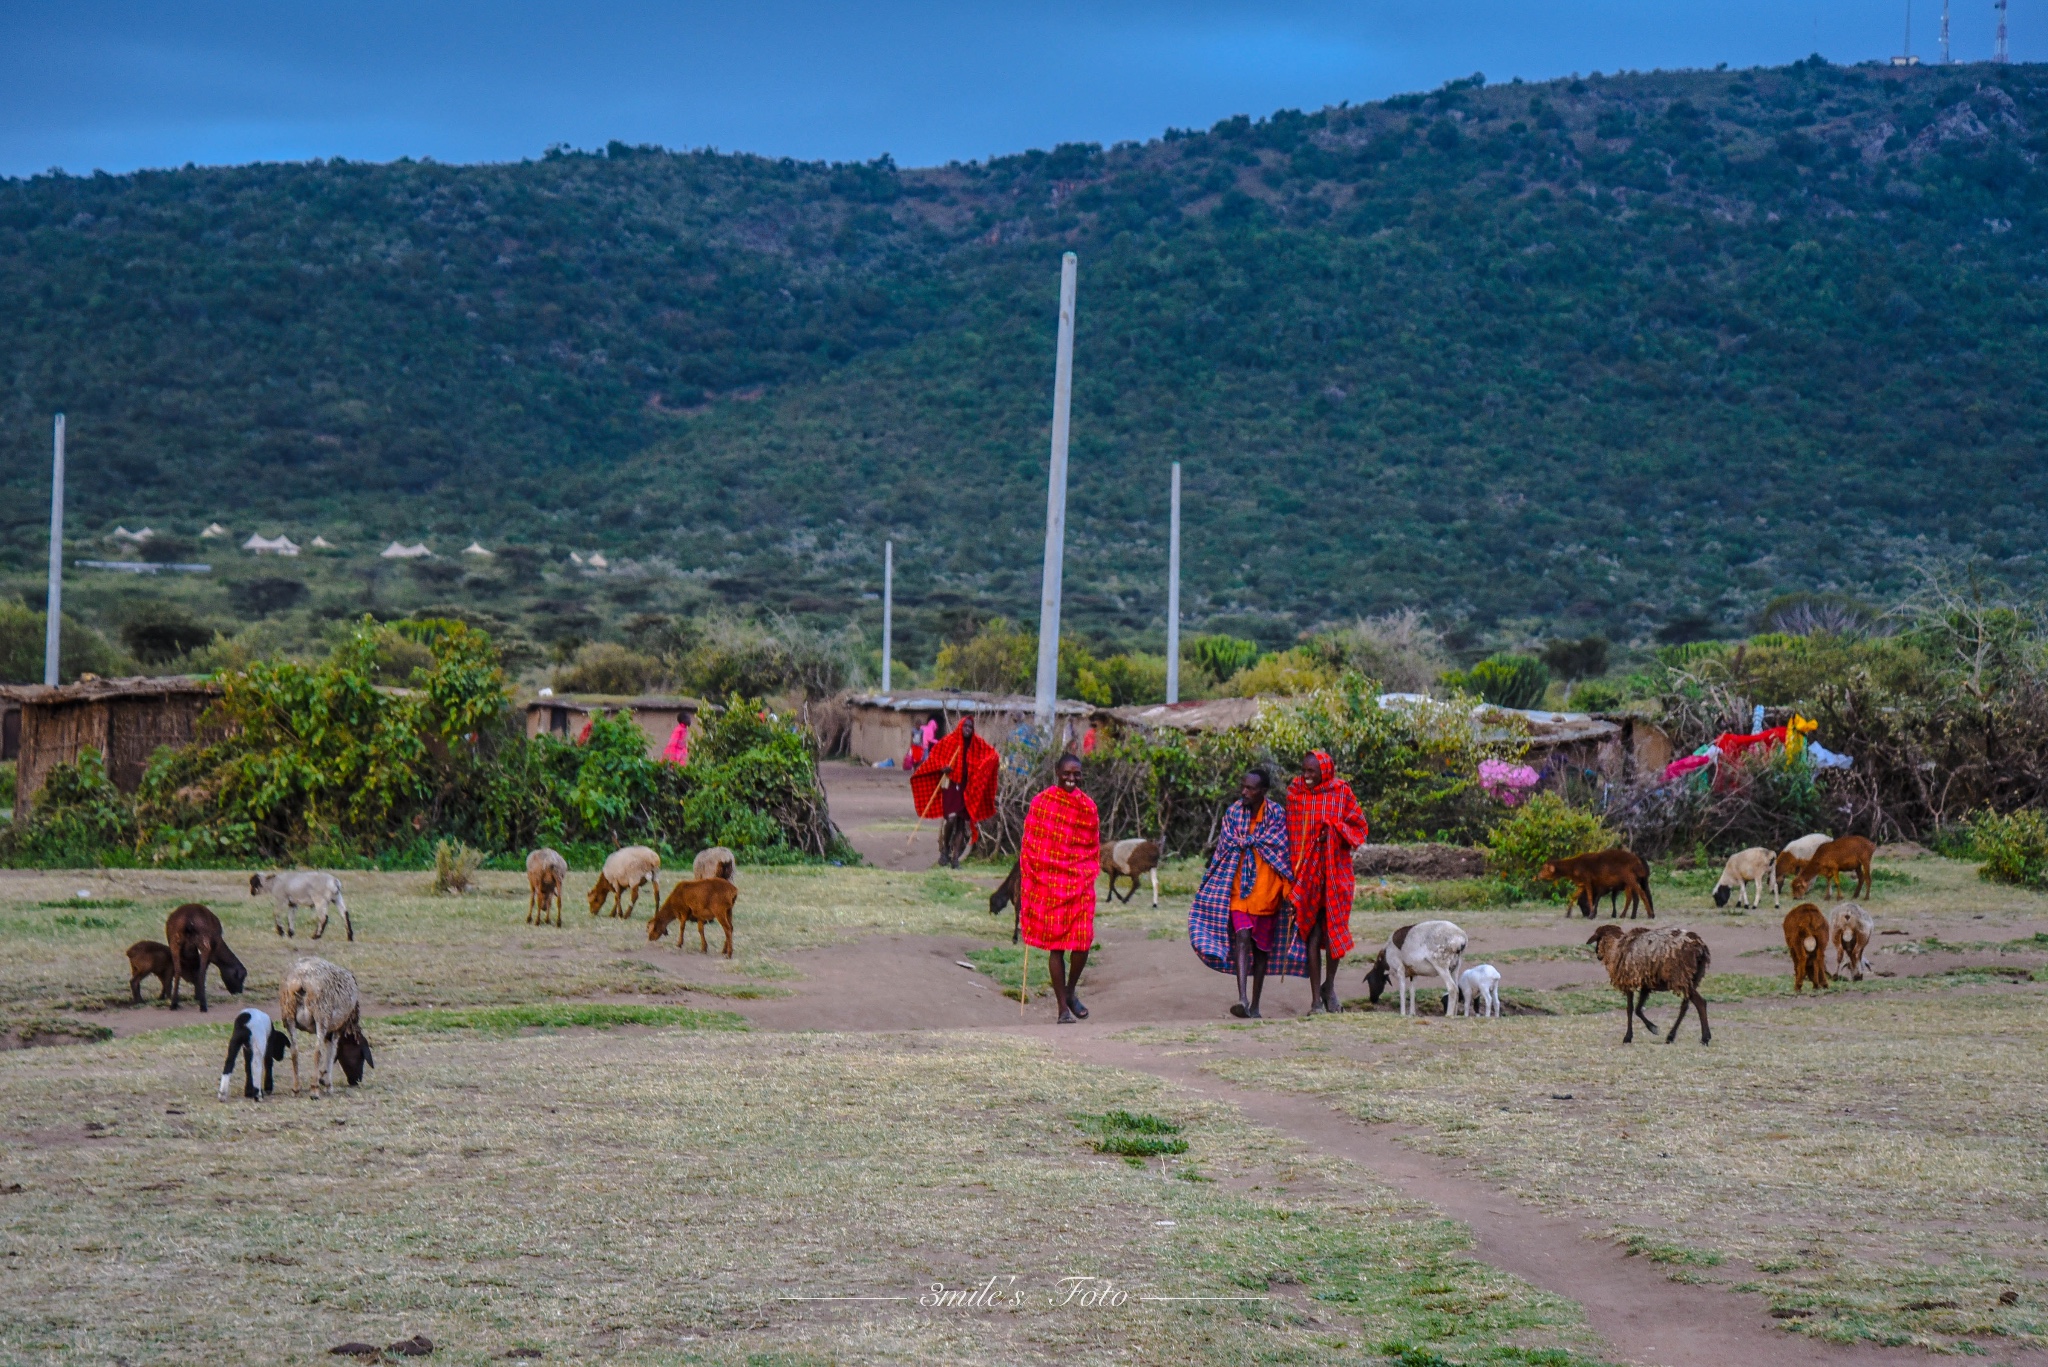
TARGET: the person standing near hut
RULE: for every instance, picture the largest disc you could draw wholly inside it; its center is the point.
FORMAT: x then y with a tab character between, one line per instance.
1236	925
957	782
1056	895
1324	825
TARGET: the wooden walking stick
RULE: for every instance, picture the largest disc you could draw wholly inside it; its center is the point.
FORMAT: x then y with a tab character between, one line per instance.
1024	986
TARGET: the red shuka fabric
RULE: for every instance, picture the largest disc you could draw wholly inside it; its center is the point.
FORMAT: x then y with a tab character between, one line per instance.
1062	852
974	773
1324	825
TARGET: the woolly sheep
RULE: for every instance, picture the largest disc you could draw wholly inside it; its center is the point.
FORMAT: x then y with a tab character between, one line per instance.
1644	959
716	862
546	873
624	871
320	996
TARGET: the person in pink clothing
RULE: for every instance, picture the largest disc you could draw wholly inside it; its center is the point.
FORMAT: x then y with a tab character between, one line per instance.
678	751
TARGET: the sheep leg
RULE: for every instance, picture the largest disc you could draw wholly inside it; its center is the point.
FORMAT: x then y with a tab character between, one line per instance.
1681	1017
1699	1004
1643	1000
1155	889
1450	985
1628	1016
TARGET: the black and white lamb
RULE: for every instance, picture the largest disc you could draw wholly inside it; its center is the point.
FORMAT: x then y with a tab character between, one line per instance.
251	1040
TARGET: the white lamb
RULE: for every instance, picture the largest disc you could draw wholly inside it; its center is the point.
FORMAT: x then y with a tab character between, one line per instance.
312	891
1479	991
1753	865
1438	945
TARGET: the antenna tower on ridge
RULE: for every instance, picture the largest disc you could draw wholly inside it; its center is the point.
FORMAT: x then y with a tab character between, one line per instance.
1998	53
1944	33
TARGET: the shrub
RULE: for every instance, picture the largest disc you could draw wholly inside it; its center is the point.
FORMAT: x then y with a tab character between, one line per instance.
1504	680
81	650
1543	828
79	819
1219	656
716	657
1289	674
454	865
605	667
157	632
999	658
1596	695
2014	847
1400	650
1581	659
1130	680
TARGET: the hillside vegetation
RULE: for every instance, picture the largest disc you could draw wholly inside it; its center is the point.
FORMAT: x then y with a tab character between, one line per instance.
1628	354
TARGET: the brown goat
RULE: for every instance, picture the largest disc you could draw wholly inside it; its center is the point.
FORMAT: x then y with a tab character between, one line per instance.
1608	873
1834	859
1806	935
195	945
147	958
700	901
546	872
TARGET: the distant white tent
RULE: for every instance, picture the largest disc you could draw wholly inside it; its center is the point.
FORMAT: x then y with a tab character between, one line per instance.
476	548
123	534
321	543
270	545
417	550
214	529
597	561
576	558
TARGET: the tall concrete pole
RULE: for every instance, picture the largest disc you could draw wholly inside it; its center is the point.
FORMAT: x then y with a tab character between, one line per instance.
53	631
888	607
1056	504
1173	593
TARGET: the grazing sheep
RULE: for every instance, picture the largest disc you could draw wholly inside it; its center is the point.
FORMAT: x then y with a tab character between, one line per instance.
1479	991
1753	865
1438	945
308	890
1853	930
624	871
320	996
716	862
546	873
1832	860
700	901
1129	859
195	945
147	958
1645	959
1806	935
252	1039
1608	873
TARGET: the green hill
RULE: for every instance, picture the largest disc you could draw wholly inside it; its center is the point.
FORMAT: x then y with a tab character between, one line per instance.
1626	354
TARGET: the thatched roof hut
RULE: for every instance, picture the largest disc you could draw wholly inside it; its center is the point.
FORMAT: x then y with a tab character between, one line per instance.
126	720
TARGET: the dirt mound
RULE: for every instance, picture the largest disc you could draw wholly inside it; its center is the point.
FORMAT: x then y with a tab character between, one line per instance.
1420	861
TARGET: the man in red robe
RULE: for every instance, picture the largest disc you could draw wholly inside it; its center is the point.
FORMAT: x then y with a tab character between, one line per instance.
1324	825
1056	895
957	781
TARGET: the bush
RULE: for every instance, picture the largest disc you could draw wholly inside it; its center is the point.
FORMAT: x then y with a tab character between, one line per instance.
1545	827
1596	695
1132	680
1219	656
2014	847
454	865
716	657
1504	680
999	658
603	667
79	820
157	632
81	650
1289	674
1400	650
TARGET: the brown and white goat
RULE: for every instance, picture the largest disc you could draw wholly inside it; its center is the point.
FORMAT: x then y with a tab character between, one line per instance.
1806	938
1131	859
546	873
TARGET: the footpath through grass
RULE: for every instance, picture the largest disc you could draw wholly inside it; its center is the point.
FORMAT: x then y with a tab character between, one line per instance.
660	1196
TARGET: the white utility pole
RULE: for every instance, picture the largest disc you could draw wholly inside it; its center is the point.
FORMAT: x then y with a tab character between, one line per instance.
888	608
1173	592
1056	504
52	630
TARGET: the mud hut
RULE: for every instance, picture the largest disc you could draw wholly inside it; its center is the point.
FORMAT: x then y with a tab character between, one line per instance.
126	720
882	723
564	716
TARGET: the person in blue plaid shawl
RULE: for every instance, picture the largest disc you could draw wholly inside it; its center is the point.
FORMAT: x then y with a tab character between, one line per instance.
1232	942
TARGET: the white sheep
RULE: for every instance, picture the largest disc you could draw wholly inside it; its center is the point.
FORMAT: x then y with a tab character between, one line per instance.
1479	991
320	996
1753	865
1129	859
625	870
1851	930
716	862
1438	945
312	891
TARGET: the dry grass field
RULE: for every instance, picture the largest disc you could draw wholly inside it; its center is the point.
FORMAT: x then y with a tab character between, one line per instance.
573	1148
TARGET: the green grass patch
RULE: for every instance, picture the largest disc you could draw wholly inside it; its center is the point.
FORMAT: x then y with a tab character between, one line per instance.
1452	894
73	903
87	922
1133	1135
1672	1255
507	1020
1005	963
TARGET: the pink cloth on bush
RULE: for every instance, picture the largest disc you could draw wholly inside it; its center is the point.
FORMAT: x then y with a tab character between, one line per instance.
1508	782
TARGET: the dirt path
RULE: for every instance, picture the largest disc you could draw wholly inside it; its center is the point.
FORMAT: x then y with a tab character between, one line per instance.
916	983
872	808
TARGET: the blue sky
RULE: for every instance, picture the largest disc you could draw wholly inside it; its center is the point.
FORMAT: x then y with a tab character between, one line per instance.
121	84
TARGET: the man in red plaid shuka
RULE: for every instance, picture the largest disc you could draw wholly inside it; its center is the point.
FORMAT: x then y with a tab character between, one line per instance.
957	781
1056	898
1324	825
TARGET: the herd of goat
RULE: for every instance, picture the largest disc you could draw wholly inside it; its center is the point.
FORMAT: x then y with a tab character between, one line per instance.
321	997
